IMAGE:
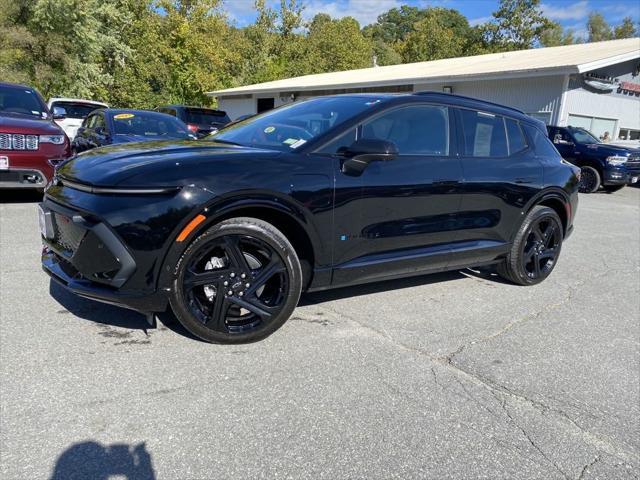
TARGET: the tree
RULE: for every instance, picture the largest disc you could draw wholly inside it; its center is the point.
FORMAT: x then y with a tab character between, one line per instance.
554	35
598	28
333	45
440	34
626	29
517	25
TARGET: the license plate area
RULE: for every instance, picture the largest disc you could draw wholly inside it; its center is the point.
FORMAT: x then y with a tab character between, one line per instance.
634	179
4	162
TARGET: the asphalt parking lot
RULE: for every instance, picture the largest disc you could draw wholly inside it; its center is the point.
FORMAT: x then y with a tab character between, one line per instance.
455	375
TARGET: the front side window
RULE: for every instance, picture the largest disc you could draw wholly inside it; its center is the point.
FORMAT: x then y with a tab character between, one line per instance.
289	127
484	134
415	130
583	136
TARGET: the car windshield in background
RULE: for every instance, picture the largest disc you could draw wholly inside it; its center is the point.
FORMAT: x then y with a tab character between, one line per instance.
290	127
583	136
204	116
22	101
76	110
148	125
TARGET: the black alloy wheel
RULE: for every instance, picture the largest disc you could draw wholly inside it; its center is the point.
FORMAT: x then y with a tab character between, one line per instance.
589	180
237	282
536	248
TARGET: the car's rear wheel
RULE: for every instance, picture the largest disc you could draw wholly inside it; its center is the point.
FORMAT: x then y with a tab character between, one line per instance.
237	282
535	249
612	188
589	180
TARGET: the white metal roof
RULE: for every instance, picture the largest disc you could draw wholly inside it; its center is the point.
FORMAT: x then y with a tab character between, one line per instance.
522	63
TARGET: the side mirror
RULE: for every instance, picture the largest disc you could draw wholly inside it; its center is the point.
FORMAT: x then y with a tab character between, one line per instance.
362	152
59	113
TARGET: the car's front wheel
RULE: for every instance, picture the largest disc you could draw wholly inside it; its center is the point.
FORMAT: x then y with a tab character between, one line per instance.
535	249
589	180
237	282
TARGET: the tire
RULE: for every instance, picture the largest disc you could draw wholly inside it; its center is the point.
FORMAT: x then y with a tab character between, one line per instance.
535	249
613	188
589	180
237	282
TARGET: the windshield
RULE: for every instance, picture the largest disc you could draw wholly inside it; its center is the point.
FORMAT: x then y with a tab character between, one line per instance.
204	116
148	124
583	136
290	127
21	100
76	110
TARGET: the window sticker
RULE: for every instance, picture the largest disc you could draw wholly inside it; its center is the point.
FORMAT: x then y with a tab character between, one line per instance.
290	141
373	102
482	144
299	143
269	129
123	116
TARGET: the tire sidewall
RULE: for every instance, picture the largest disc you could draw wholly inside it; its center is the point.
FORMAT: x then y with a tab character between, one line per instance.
238	226
518	271
598	179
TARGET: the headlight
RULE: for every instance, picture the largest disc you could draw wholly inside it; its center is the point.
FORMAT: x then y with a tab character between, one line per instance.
55	139
616	160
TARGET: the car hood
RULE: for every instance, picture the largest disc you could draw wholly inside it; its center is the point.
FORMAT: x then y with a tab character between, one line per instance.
607	149
15	123
164	163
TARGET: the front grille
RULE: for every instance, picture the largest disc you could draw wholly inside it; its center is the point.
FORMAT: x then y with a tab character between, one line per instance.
16	141
634	160
67	234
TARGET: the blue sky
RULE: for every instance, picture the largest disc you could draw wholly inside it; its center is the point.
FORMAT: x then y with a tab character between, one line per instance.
570	13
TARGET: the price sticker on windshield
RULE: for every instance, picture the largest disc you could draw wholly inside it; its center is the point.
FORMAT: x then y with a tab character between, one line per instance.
123	116
4	163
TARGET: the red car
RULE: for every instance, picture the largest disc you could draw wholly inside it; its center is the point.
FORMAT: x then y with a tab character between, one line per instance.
31	144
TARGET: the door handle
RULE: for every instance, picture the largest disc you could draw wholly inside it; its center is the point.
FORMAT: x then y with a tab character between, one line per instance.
445	181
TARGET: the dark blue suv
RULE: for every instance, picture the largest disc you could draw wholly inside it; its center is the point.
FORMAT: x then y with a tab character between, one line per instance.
601	164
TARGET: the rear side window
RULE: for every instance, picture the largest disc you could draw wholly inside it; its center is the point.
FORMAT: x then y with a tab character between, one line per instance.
484	134
517	142
541	142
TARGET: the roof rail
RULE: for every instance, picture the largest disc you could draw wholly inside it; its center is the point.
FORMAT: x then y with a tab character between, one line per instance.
442	94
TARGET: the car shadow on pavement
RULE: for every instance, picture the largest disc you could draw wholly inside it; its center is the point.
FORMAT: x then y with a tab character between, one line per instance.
93	461
111	315
315	298
21	196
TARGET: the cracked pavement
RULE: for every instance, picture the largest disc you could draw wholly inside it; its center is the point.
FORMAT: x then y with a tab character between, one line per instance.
454	375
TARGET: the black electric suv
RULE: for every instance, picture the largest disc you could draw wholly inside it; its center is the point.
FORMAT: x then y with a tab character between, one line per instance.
334	191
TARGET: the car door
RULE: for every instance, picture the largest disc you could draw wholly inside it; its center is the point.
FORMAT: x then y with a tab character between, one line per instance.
99	134
500	175
396	217
564	143
80	142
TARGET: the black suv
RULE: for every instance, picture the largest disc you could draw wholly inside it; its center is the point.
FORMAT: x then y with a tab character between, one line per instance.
601	164
325	193
200	121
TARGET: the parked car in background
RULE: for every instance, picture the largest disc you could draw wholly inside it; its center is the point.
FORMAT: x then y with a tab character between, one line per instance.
74	112
601	164
323	193
200	121
31	144
116	126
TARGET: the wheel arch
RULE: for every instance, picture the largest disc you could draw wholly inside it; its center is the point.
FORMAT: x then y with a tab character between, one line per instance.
554	198
287	218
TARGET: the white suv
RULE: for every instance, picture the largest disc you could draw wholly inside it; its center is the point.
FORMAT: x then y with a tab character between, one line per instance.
69	113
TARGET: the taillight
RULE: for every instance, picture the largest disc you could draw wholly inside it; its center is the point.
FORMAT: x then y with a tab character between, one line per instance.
192	128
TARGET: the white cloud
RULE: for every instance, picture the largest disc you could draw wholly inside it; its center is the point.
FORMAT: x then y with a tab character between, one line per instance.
574	11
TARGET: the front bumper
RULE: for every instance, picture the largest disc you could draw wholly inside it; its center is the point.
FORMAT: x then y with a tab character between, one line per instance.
85	256
22	178
31	169
623	175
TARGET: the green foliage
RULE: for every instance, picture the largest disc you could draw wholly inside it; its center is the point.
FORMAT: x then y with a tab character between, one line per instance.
144	53
598	28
